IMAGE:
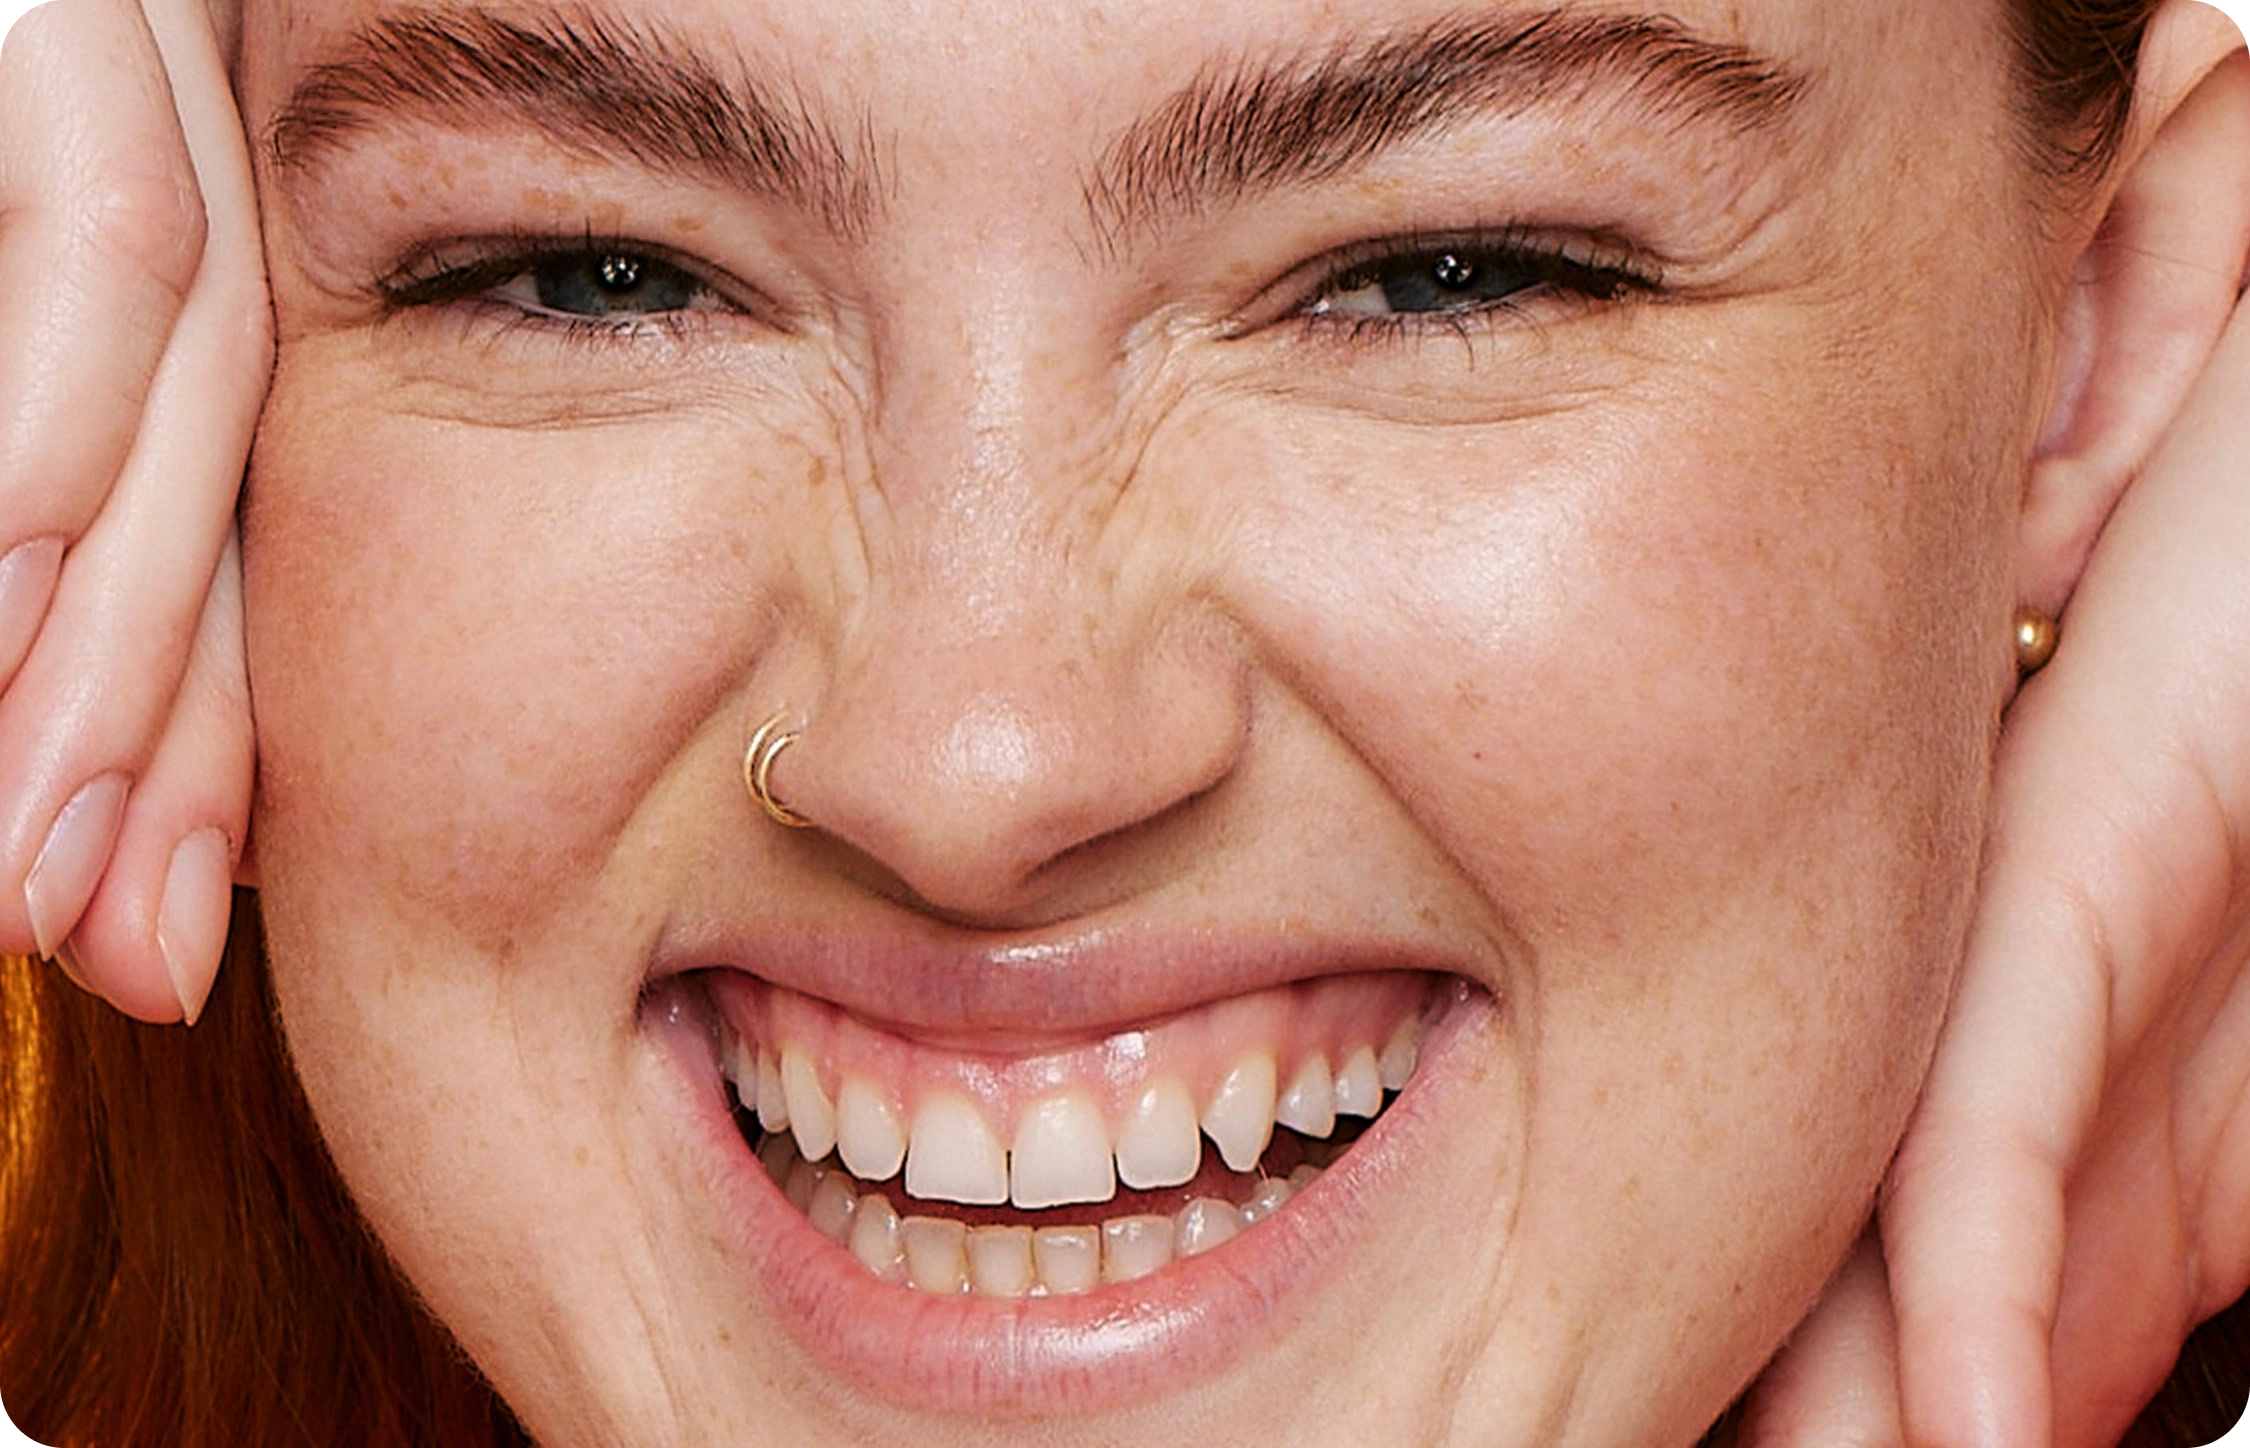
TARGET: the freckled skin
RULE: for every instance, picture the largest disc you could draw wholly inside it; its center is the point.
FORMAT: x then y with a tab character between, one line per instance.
1655	649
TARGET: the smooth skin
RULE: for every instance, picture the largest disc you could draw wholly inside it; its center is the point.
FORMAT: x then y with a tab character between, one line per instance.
88	696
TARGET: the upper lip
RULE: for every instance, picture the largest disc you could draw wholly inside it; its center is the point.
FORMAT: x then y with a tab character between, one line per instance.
938	983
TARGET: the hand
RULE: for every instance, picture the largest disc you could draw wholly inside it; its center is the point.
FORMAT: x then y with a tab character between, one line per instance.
2072	1198
2078	1177
1836	1384
135	348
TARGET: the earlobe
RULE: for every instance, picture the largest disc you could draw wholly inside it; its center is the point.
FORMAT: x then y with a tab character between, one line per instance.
2151	292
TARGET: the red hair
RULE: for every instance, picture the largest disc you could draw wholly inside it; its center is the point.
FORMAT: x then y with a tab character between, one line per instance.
179	1262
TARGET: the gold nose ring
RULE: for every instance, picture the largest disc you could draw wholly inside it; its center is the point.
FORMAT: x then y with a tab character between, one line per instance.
757	770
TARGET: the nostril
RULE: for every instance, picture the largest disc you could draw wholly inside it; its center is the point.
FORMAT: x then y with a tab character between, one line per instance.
985	779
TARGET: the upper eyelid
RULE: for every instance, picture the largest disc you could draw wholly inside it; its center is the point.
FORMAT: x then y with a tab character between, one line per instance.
458	268
1590	255
1291	298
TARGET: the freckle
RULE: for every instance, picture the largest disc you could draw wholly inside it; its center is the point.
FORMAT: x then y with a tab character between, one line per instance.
583	1156
687	224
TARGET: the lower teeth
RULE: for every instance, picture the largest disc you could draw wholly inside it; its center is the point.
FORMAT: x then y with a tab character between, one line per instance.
948	1256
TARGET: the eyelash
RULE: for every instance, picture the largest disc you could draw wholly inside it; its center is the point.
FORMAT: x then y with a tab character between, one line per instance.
464	273
1567	274
1553	269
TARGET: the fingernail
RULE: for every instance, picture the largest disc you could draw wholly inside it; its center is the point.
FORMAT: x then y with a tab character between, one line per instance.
191	924
70	864
27	585
66	961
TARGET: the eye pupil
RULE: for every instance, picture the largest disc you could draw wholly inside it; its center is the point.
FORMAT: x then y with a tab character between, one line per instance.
618	274
1453	272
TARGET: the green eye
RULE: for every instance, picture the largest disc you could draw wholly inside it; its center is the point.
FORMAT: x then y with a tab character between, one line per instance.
573	284
605	284
1457	279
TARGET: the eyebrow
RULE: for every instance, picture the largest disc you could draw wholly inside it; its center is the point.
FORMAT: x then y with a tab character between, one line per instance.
1245	128
587	82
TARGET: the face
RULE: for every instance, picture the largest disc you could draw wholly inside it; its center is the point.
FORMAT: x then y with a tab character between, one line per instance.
1321	562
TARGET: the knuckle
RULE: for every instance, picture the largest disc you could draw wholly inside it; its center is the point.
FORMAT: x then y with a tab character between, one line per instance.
150	219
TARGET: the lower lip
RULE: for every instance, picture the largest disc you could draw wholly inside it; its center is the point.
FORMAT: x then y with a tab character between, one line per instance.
1114	1346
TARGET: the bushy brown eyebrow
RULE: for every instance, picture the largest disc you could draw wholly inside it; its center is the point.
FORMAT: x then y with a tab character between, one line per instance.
1249	127
629	91
585	80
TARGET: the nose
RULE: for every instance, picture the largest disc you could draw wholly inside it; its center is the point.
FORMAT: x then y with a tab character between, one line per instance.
995	774
1026	694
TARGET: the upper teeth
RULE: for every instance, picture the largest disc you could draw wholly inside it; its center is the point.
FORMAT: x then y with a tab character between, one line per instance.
1239	1119
953	1155
1061	1153
1063	1150
868	1135
1158	1146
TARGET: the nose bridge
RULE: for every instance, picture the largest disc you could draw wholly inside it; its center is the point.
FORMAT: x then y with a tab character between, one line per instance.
994	402
1025	673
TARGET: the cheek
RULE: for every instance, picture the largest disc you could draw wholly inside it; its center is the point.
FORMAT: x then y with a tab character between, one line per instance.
1701	697
473	651
1621	663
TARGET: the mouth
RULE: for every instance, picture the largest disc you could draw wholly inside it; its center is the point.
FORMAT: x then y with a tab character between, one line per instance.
1010	1220
1053	1173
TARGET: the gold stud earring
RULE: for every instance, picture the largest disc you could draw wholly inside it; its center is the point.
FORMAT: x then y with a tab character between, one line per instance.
2036	636
757	770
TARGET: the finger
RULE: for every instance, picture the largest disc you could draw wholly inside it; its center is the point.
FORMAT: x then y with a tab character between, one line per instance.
1836	1384
87	707
2215	1128
98	204
2125	1305
151	938
2101	894
1973	1214
2111	866
2123	1312
2156	1210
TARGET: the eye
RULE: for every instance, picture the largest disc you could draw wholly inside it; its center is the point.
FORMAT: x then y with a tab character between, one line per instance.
580	285
596	285
1449	282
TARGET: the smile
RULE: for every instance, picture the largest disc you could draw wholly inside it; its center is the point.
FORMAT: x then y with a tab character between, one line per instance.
1023	1189
950	1172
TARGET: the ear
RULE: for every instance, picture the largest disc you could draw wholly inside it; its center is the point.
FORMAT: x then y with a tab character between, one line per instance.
2150	294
